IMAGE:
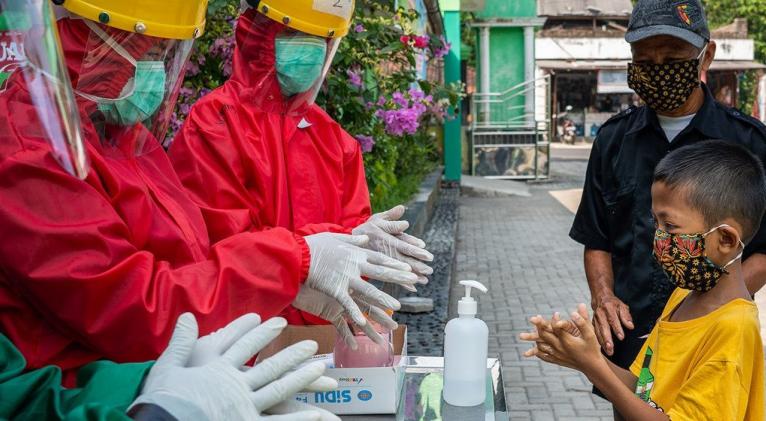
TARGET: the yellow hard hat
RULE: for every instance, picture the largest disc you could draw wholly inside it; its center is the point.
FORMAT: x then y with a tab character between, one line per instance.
174	19
323	18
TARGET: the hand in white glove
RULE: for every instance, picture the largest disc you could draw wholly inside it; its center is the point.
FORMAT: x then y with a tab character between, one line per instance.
209	348
338	263
387	236
326	307
219	389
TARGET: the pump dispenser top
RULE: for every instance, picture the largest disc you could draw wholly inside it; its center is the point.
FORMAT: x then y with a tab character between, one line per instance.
467	305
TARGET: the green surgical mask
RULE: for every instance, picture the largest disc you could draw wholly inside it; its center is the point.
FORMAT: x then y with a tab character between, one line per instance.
300	60
141	97
140	102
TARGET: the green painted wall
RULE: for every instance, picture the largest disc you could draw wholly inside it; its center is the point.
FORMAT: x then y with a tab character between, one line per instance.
506	53
507	64
506	9
506	69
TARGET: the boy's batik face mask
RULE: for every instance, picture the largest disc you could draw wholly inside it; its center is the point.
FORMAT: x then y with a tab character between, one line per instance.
682	257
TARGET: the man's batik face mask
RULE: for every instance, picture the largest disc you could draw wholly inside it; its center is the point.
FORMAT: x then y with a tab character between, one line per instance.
665	87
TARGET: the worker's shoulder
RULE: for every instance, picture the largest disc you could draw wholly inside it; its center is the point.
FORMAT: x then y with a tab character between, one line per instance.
213	107
317	115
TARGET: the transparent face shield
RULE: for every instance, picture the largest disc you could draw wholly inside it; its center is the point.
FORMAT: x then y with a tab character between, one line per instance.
129	84
288	67
31	29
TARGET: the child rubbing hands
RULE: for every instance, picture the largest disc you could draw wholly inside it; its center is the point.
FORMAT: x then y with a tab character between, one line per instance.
704	358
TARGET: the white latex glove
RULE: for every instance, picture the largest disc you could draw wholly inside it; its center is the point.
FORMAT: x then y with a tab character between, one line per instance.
326	307
387	236
208	348
338	263
219	389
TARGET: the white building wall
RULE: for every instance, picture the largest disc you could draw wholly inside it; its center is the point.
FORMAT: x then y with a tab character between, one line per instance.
618	49
582	49
735	49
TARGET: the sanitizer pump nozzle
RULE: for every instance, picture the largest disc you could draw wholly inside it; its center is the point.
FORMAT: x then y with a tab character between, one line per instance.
467	306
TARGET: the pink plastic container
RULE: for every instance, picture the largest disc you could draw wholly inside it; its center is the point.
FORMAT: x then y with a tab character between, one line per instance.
369	354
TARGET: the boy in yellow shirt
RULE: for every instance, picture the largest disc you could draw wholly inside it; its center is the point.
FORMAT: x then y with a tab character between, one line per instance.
704	358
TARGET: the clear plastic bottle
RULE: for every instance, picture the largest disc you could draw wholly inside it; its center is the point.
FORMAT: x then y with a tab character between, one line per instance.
368	353
466	340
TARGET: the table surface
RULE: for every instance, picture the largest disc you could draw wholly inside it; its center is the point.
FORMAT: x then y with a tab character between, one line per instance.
422	395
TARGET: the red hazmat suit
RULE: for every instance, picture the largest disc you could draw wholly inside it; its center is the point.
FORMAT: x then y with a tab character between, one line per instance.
248	165
102	268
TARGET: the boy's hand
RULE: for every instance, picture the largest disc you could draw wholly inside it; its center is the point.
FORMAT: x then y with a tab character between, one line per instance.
584	350
544	348
558	343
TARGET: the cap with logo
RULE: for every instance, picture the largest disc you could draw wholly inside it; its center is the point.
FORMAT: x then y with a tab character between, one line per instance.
680	19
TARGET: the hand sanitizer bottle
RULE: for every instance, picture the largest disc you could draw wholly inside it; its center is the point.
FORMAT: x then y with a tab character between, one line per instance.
465	353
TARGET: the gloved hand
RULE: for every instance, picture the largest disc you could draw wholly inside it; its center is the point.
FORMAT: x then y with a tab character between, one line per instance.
219	389
326	307
387	236
208	348
212	346
338	263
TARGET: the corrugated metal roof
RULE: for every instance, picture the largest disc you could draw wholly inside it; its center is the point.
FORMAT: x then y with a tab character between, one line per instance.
584	7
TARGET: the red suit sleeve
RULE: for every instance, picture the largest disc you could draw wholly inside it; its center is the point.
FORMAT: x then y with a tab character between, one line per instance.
69	254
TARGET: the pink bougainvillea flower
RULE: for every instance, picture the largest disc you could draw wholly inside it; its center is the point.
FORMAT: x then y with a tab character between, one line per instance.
444	49
354	78
422	41
366	142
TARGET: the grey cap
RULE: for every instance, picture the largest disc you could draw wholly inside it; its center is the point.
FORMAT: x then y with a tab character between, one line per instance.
681	19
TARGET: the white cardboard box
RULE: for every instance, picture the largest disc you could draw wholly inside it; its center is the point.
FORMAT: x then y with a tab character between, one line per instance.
365	391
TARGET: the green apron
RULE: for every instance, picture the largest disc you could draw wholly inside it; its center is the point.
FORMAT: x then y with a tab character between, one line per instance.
104	389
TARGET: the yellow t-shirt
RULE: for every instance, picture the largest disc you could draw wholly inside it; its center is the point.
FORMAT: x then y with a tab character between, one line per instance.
709	368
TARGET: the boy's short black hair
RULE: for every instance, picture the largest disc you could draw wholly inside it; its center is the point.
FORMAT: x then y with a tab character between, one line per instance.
722	180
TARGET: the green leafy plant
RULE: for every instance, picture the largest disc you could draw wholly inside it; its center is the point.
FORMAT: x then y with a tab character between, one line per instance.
722	12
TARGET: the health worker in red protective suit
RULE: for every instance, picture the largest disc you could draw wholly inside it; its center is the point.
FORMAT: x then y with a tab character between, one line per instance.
100	265
257	152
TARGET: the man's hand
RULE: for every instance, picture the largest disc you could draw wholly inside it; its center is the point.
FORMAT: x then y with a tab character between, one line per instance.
610	315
